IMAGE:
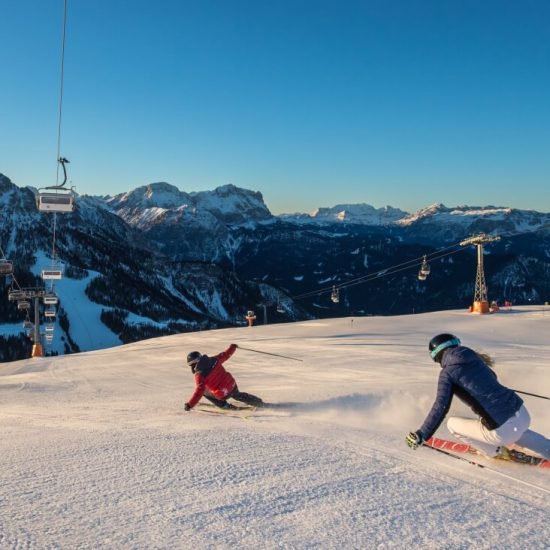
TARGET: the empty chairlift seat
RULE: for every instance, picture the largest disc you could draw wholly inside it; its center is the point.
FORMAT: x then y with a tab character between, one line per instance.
50	299
52	273
48	201
49	313
16	295
6	267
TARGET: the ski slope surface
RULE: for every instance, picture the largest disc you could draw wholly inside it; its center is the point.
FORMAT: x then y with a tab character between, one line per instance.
97	451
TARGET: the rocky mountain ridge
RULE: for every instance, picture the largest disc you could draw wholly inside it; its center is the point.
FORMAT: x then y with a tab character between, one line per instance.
158	260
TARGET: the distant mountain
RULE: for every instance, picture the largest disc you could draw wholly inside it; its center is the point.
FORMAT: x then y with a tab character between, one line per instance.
158	260
227	204
437	223
190	226
362	214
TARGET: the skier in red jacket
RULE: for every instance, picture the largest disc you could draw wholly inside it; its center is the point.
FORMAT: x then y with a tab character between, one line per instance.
214	382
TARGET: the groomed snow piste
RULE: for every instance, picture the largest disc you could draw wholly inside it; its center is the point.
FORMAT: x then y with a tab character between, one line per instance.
97	451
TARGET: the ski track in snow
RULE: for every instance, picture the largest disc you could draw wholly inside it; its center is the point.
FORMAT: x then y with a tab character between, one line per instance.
97	451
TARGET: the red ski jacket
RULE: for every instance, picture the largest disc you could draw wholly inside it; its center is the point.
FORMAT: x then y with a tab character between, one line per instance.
210	375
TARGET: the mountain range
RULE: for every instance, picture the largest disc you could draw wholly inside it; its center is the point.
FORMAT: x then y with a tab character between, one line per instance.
158	260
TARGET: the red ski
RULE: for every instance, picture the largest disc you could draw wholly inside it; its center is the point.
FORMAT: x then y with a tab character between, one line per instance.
515	456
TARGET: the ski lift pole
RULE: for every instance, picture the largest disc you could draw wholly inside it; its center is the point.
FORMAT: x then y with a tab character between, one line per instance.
267	353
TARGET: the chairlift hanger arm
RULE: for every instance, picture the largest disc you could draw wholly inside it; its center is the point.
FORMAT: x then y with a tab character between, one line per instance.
62	161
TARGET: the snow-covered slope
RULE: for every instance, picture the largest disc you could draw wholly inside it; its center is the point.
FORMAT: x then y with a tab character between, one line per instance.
98	452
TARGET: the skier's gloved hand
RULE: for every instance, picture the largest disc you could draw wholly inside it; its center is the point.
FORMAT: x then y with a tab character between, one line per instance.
414	440
234	346
187	407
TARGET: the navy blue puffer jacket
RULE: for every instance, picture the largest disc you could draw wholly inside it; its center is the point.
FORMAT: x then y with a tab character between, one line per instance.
464	374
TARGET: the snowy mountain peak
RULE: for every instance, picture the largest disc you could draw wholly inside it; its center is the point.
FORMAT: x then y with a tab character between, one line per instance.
463	214
154	195
162	209
233	205
361	213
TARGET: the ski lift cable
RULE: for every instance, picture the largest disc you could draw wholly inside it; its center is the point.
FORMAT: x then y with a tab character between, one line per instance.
438	254
388	271
391	271
385	272
60	161
61	86
405	265
53	237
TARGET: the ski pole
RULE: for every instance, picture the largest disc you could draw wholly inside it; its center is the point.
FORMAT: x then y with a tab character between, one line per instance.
267	353
473	463
458	457
532	394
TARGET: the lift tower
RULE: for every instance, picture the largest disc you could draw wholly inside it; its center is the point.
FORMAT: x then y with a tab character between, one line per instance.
25	295
481	302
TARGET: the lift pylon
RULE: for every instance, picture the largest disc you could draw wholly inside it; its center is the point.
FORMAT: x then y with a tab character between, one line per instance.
481	302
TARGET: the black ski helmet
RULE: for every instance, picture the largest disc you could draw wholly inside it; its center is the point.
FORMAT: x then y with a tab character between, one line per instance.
440	342
193	358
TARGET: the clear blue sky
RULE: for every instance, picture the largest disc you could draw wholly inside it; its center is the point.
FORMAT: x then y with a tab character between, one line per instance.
313	103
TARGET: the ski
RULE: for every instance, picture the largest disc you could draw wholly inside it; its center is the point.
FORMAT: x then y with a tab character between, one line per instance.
235	411
514	456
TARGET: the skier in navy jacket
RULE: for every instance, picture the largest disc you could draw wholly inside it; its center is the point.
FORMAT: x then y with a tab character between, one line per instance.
502	417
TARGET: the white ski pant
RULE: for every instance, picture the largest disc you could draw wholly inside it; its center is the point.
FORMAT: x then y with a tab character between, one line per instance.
515	430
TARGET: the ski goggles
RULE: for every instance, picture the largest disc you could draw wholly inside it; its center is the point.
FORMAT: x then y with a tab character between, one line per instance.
444	345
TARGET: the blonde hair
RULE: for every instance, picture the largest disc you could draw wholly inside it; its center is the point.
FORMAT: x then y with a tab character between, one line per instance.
487	359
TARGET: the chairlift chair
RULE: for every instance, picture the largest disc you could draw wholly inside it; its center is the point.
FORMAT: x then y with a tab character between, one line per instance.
50	299
49	313
49	328
55	202
23	305
49	338
56	198
335	295
52	273
422	276
6	267
16	295
27	325
280	308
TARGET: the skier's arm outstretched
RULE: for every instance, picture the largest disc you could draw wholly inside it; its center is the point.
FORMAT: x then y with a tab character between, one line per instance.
225	355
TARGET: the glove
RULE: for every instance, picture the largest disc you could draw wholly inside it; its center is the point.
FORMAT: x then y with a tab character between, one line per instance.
187	407
414	440
234	346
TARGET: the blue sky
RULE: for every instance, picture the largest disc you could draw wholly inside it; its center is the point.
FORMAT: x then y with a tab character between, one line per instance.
313	103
